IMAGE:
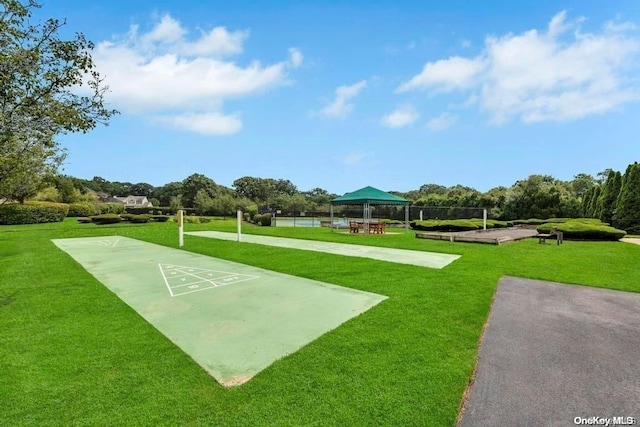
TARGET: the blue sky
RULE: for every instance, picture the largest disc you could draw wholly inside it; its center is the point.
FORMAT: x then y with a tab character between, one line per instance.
341	95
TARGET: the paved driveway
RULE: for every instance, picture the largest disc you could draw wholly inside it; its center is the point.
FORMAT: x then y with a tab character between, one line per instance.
553	352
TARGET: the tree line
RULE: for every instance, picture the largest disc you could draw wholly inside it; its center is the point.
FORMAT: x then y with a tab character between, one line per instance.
611	196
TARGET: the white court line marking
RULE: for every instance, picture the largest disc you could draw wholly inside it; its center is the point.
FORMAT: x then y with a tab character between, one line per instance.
202	280
165	280
108	243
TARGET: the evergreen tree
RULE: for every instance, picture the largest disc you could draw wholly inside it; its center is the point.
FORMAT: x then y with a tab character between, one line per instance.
627	215
586	201
593	203
609	197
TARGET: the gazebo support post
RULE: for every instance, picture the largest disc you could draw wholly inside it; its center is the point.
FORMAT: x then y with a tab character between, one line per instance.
331	217
406	218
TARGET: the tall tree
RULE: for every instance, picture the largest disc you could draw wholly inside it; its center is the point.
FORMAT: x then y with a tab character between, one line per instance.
609	196
39	79
194	183
536	197
627	215
166	192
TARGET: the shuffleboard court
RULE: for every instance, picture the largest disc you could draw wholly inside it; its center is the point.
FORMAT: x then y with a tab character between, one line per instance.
233	319
401	256
553	354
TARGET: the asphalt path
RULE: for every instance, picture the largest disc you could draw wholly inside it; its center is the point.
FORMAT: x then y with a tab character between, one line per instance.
554	355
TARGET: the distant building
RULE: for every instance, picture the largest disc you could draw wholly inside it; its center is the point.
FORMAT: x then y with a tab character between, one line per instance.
134	201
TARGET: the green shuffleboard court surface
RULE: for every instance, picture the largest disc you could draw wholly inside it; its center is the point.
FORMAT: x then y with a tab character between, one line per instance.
234	320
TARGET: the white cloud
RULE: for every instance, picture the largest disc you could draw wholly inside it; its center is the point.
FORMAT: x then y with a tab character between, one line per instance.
340	107
355	158
556	75
401	117
295	57
164	72
445	75
205	123
442	122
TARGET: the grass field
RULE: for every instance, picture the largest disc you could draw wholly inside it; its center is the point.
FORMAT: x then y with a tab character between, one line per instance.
73	353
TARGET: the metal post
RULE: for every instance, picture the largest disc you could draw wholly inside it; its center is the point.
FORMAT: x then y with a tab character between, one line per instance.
484	219
180	228
331	217
406	217
239	216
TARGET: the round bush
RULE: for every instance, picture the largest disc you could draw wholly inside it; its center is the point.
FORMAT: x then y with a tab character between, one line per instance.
106	219
84	220
160	218
445	225
140	219
111	207
577	230
32	212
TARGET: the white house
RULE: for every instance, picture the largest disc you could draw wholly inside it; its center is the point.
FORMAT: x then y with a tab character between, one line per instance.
135	201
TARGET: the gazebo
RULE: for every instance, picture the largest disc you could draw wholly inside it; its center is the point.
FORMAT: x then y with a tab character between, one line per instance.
368	196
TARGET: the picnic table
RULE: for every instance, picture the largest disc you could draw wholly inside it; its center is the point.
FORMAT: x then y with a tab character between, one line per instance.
375	227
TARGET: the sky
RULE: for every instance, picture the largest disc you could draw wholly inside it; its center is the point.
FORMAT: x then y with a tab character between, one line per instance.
345	94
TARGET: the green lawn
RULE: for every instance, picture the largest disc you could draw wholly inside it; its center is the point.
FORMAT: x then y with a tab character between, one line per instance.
73	353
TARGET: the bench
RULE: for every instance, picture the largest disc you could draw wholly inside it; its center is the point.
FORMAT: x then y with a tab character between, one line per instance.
555	234
354	227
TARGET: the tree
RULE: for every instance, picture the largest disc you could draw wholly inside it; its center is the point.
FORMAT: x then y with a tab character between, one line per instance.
609	196
627	216
536	197
166	192
202	202
39	79
256	189
581	183
142	189
194	183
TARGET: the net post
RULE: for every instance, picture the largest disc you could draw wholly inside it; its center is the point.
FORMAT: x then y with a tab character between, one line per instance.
239	218
180	228
484	219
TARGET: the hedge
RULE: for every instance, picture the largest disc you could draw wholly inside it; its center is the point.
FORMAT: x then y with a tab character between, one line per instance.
32	212
445	225
140	219
106	218
262	219
83	209
578	230
111	207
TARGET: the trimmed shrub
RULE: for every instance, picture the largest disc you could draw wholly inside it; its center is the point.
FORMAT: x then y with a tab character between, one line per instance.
578	230
445	225
84	209
126	216
262	219
191	219
32	212
530	221
106	218
139	211
84	220
160	218
140	219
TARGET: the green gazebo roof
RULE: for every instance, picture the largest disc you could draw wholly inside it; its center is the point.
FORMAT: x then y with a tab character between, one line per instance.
370	195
